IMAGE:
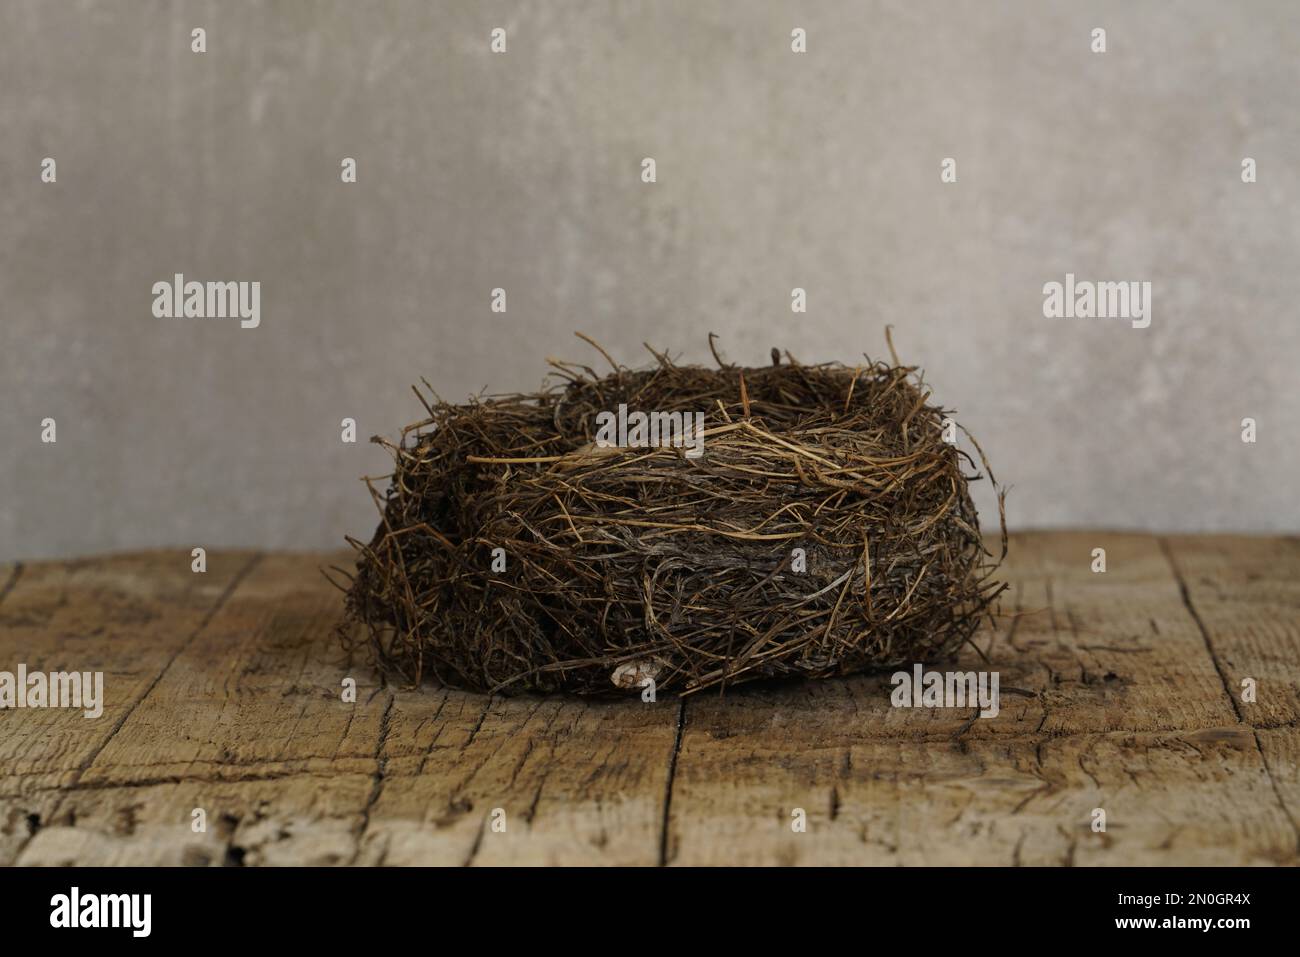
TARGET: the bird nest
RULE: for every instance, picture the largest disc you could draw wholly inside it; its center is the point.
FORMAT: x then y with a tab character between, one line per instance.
679	526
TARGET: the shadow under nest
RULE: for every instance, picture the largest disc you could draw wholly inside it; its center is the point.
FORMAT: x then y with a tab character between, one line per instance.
826	529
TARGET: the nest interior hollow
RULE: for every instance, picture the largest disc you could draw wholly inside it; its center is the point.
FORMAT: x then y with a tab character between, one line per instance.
826	529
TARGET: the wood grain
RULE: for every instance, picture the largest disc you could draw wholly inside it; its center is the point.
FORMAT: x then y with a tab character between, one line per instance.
1120	692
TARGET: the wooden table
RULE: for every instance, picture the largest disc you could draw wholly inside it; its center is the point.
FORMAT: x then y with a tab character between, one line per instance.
223	693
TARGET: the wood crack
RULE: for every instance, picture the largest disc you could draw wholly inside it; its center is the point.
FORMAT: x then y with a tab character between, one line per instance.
377	787
1205	634
12	580
668	785
1227	687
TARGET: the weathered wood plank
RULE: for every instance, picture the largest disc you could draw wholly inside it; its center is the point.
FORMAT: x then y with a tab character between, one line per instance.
1245	592
302	819
1280	748
1198	798
257	692
226	697
1116	650
578	782
247	722
127	616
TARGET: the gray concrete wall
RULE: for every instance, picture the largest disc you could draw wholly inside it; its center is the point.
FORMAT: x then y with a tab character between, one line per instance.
522	171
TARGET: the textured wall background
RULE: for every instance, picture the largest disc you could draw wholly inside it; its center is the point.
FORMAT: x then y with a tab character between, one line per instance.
522	171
